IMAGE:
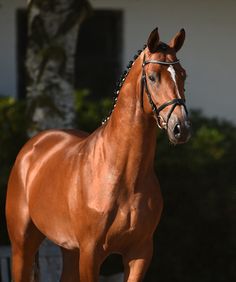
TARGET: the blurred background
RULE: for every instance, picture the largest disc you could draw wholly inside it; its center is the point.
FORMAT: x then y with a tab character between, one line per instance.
59	63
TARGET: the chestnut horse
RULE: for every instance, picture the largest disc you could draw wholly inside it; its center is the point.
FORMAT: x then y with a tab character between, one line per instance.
97	194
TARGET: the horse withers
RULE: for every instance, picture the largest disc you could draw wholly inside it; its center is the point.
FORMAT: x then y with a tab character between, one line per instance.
97	194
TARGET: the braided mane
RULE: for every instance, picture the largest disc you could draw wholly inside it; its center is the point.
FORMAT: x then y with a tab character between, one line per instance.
121	81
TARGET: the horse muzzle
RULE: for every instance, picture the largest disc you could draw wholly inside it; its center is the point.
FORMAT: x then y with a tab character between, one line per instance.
179	132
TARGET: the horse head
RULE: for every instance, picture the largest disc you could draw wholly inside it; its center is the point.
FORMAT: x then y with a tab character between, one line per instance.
163	80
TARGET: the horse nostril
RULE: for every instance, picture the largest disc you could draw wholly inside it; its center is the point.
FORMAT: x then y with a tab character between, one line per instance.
177	131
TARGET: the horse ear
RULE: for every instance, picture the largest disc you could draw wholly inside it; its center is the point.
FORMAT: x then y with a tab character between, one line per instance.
153	41
178	41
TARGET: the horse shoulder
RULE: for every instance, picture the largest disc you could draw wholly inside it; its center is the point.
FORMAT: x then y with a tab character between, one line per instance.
41	149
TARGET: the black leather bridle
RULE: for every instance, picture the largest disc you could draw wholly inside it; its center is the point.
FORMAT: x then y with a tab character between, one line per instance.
175	102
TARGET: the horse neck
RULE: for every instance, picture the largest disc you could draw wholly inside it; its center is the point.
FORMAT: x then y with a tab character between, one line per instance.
130	132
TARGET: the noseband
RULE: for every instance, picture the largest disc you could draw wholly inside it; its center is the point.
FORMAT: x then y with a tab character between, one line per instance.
175	102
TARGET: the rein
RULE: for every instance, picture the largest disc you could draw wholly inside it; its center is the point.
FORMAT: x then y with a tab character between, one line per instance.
175	102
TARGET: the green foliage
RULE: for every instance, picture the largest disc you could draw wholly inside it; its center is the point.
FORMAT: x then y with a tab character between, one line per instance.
212	142
13	125
89	112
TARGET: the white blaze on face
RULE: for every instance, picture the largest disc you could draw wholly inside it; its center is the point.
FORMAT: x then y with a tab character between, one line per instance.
171	70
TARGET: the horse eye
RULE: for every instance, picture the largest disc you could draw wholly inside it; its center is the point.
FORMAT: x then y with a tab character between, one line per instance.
152	78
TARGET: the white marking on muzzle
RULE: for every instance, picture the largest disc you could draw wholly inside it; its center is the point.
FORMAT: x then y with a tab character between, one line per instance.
171	70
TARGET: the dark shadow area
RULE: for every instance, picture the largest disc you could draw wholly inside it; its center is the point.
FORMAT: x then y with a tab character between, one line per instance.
99	53
113	264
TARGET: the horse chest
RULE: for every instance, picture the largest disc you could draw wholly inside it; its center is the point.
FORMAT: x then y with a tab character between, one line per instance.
130	225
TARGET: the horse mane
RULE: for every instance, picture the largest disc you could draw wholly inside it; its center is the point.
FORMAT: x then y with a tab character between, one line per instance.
121	81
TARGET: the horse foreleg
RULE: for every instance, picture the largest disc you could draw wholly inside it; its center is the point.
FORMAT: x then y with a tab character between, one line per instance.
24	235
24	249
89	265
136	262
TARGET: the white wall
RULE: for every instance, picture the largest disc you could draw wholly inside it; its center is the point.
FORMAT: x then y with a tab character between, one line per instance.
208	54
8	75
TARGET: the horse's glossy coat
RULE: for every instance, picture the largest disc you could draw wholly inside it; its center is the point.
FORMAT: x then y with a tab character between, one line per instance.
98	194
